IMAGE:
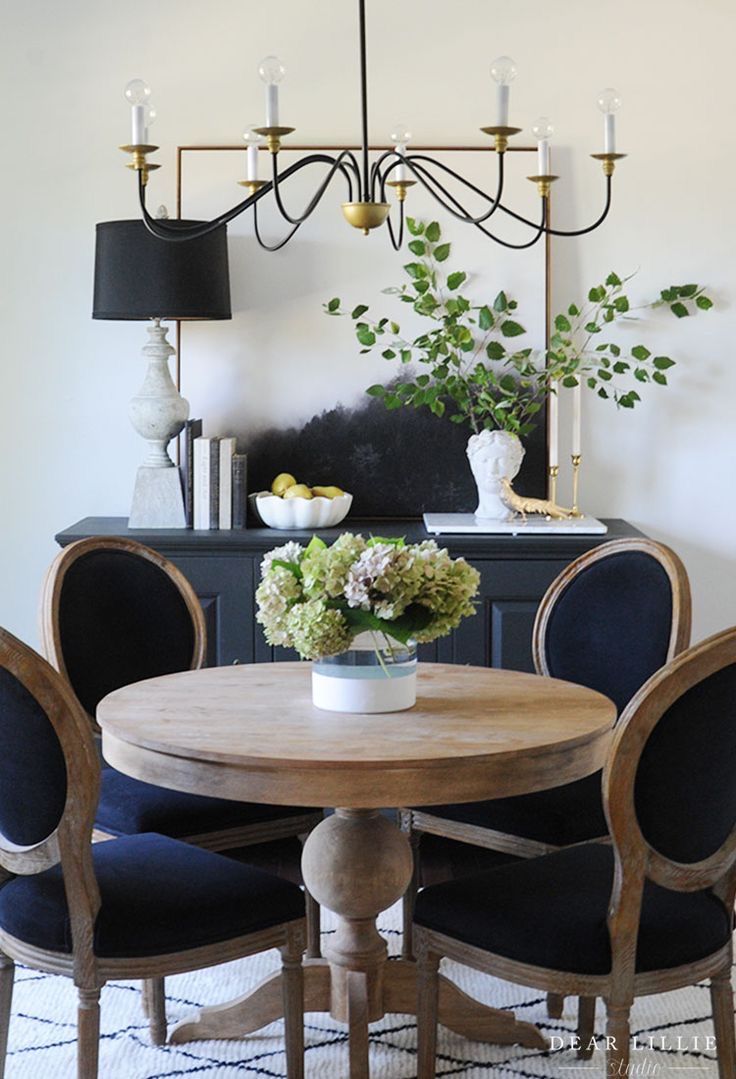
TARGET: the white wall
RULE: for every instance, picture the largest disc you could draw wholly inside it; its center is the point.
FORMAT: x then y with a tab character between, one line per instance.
66	447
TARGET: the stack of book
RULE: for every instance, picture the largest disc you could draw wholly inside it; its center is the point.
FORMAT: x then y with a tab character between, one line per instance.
215	480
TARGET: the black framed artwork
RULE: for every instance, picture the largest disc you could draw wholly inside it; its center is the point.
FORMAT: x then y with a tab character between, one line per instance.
289	381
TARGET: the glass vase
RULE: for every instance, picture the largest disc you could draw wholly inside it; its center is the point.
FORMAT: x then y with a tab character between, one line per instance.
378	674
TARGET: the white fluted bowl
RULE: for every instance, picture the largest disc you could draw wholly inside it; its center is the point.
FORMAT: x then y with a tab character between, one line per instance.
302	513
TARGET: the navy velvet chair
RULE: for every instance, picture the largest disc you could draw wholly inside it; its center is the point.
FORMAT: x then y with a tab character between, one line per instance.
609	621
141	906
115	612
650	912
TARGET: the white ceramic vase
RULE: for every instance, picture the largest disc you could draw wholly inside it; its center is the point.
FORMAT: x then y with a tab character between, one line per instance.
493	456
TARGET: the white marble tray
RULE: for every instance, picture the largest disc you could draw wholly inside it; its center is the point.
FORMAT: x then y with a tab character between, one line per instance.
439	523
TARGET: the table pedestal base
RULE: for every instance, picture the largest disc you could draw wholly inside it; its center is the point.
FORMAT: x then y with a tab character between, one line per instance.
356	863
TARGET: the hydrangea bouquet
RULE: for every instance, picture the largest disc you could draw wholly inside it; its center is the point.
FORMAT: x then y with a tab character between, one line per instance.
317	599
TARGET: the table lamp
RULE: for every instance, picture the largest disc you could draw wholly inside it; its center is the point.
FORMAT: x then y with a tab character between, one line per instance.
138	276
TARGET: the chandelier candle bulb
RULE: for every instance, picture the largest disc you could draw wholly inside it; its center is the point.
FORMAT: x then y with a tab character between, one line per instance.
271	71
138	133
543	157
609	133
503	70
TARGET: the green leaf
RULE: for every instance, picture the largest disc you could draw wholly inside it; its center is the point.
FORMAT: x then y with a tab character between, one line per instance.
376	390
421	286
292	567
456	279
485	318
563	324
614	280
603	393
395	328
639	352
620	367
511	329
334	304
415	269
366	336
495	351
417	247
359	310
433	232
315	544
573	311
660	378
388	354
663	362
621	304
416	228
614	350
442	252
500	303
569	381
592	327
641	374
595	295
679	310
703	303
687	291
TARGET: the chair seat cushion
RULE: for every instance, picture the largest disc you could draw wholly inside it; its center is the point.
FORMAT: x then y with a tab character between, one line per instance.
551	912
128	806
158	896
572	813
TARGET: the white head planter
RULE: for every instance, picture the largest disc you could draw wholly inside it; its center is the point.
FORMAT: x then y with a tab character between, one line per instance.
493	456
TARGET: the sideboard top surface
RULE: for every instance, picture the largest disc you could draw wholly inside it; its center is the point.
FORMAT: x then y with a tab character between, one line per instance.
255	541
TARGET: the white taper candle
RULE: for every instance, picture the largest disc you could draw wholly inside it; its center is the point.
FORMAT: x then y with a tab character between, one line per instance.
252	163
577	395
553	414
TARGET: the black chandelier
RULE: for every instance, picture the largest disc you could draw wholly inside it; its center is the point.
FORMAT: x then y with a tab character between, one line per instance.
366	207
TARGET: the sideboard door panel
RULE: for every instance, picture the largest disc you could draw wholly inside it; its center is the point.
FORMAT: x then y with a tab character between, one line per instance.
225	589
499	634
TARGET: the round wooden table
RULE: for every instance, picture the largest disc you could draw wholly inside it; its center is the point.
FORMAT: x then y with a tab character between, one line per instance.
251	733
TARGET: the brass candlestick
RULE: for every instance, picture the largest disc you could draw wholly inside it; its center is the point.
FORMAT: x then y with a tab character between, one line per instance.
252	185
576	457
139	162
501	136
608	160
273	136
553	472
544	183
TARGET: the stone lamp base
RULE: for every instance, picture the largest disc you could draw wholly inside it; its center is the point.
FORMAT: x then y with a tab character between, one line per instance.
158	412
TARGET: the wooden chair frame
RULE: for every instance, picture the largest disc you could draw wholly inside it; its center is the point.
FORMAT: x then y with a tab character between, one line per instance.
70	844
635	862
415	822
227	839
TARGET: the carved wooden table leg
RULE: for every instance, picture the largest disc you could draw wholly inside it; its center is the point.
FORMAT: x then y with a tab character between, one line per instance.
357	864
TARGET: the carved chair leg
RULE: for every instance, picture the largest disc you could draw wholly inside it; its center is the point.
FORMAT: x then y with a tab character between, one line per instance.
586	1027
154	1007
618	1033
409	898
721	995
7	974
314	944
293	989
427	1002
88	1033
555	1005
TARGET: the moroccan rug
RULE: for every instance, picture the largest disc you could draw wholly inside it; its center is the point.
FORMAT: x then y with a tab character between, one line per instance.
673	1031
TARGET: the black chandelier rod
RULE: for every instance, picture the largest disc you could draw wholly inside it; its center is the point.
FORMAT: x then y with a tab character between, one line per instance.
337	163
364	98
281	243
467	218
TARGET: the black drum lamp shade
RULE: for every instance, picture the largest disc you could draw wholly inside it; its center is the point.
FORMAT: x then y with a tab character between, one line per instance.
139	276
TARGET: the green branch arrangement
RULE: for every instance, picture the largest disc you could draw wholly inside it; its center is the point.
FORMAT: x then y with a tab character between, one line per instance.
469	363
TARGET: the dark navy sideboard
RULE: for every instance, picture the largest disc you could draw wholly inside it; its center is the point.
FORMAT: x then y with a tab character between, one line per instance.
223	567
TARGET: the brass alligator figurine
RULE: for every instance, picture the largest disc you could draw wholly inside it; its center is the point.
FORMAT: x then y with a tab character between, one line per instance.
523	506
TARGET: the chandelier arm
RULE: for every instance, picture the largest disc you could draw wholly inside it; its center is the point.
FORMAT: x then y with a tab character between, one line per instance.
427	180
337	163
396	243
177	234
466	216
589	228
276	246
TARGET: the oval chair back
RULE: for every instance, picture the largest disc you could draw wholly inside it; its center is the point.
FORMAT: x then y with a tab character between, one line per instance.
115	612
670	789
49	783
613	617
